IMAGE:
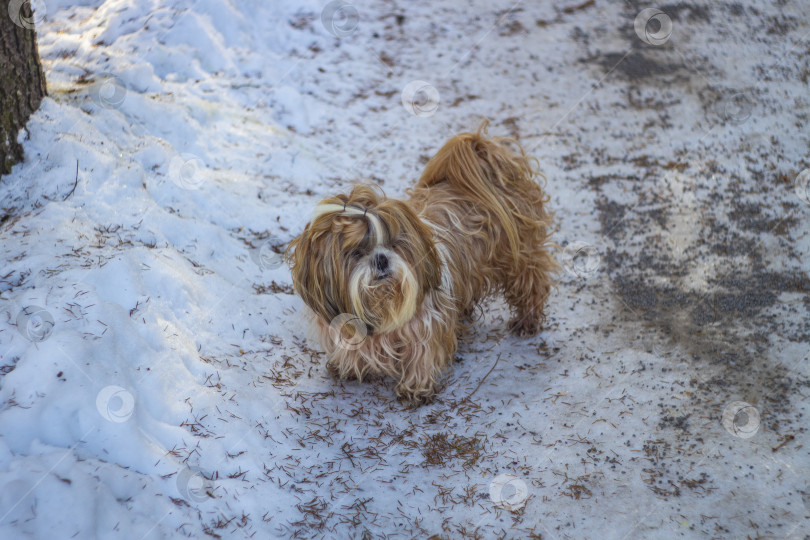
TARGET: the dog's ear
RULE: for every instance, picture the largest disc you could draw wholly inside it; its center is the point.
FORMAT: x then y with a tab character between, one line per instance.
413	240
433	268
304	254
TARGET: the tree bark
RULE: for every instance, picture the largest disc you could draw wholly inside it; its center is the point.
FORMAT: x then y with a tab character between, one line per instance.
22	83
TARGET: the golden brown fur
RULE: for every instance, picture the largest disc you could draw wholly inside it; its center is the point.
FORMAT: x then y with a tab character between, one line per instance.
408	272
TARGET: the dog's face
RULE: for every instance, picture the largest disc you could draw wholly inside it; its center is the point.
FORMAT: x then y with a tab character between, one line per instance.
367	256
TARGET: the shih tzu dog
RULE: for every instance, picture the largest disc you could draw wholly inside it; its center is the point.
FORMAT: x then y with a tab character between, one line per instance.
390	283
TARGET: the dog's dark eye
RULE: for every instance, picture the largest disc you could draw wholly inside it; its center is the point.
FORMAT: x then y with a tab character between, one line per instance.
356	254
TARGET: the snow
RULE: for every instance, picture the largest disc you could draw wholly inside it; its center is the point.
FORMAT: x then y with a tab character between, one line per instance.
157	377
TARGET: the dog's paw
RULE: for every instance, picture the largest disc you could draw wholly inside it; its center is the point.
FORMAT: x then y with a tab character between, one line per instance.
334	371
415	399
414	402
524	326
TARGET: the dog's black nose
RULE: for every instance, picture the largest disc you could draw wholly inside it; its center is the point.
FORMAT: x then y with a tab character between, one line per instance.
381	263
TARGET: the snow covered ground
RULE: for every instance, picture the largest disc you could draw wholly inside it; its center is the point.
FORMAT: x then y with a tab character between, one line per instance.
156	378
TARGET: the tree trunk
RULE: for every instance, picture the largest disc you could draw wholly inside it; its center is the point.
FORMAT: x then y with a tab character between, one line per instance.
22	83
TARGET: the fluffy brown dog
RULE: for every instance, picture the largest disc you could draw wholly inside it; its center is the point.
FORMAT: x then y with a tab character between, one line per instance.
390	282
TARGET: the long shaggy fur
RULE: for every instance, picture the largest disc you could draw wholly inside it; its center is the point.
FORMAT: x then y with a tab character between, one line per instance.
405	274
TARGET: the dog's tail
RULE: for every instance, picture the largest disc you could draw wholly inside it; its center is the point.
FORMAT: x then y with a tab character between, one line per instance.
492	173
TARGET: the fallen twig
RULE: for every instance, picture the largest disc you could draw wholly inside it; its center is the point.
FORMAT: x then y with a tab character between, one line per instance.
75	183
482	380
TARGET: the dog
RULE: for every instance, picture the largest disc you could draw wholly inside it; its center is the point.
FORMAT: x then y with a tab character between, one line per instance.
391	283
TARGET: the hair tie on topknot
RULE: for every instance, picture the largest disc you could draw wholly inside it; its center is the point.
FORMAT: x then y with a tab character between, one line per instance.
375	224
365	209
